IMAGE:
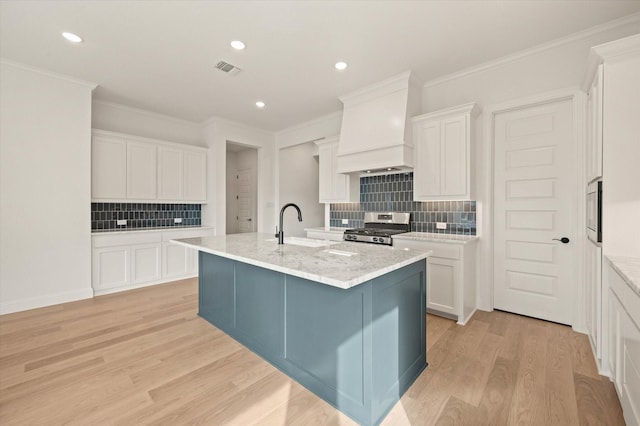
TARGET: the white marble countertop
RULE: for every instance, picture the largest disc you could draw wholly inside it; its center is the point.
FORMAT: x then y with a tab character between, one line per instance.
332	229
629	270
438	238
340	264
154	229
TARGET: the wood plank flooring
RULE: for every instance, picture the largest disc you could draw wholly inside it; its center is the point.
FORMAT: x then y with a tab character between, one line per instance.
145	357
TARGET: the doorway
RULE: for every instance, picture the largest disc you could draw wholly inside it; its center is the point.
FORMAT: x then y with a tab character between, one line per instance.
241	188
534	206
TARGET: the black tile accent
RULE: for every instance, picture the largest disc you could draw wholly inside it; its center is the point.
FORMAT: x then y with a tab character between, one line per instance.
142	215
395	193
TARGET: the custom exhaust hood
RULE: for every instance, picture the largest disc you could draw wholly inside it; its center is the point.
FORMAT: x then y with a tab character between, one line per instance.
376	129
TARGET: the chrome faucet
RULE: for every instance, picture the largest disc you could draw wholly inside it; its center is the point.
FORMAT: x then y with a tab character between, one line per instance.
280	234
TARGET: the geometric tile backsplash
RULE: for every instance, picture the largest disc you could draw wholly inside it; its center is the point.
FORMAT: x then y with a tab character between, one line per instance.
394	193
143	215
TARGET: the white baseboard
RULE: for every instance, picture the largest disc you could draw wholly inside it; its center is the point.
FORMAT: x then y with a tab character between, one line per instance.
464	321
147	284
42	301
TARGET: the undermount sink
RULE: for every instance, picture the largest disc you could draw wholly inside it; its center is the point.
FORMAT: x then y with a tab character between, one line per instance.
305	242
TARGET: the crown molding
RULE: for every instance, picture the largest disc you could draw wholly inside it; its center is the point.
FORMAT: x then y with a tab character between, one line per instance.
145	112
19	65
626	20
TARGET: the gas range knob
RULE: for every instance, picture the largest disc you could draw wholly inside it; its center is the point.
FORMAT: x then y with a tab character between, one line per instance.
375	239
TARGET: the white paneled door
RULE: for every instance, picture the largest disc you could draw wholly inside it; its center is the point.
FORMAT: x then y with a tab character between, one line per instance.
534	186
245	200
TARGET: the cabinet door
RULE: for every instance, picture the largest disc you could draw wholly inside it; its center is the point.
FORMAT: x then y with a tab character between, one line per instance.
454	157
141	171
175	260
427	161
108	167
170	173
145	263
195	176
110	267
441	283
630	374
594	123
613	347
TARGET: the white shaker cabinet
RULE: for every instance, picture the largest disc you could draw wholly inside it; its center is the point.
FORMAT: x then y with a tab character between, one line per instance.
195	176
127	260
141	171
623	333
170	173
450	277
594	125
108	167
443	152
593	281
335	187
127	168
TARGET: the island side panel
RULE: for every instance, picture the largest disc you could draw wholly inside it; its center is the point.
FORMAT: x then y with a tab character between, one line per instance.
216	291
328	342
399	335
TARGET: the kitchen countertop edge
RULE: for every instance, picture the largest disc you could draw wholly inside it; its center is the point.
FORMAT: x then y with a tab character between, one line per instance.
155	229
318	277
437	238
629	270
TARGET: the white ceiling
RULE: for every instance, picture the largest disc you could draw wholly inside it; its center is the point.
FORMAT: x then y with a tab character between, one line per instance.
160	55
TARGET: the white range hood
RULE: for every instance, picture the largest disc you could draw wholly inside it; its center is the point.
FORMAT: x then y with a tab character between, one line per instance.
376	129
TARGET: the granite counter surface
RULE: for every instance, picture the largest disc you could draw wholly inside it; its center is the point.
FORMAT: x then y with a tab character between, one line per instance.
339	264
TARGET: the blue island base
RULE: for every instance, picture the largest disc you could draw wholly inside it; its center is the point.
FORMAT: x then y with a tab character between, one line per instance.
358	349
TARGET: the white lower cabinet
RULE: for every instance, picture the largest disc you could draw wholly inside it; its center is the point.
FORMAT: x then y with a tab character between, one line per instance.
126	260
450	277
110	267
623	337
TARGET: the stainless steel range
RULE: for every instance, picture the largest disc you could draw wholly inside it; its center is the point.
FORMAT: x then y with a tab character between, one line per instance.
379	227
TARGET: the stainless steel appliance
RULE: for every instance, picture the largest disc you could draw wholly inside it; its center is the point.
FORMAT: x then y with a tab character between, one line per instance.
594	211
379	227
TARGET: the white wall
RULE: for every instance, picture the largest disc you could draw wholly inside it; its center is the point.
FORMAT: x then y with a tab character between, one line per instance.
232	192
299	184
133	121
216	133
621	158
45	177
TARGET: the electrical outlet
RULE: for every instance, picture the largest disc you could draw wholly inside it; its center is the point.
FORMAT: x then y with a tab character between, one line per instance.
345	221
177	220
441	225
121	222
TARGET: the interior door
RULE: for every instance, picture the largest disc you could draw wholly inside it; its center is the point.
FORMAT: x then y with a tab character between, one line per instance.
534	185
245	200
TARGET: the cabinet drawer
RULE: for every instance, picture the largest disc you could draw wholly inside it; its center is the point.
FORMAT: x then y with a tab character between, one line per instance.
444	250
187	233
126	239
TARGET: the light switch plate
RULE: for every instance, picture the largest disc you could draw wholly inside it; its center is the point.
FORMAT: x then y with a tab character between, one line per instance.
345	221
177	220
121	222
441	225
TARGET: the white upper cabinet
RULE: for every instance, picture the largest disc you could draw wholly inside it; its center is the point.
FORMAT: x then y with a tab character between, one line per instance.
335	187
443	152
130	168
170	173
108	167
195	176
594	126
141	171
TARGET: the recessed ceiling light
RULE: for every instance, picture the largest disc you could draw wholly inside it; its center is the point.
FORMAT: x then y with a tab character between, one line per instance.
73	38
237	44
341	66
260	104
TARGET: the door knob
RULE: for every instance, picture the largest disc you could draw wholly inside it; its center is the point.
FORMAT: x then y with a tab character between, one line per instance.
563	240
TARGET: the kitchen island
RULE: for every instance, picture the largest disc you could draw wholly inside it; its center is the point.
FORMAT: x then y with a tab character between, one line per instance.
345	320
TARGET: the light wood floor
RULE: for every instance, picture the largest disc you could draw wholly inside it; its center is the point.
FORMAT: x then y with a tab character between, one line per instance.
145	357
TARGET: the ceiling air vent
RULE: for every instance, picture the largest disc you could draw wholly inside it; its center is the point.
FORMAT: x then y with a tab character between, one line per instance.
227	68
